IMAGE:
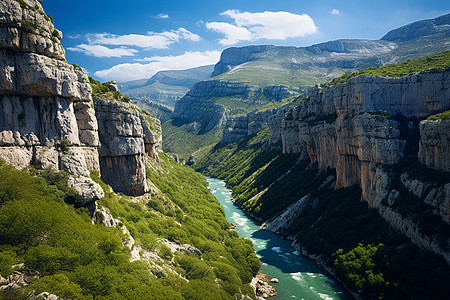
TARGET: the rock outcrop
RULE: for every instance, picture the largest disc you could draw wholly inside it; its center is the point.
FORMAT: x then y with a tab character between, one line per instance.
46	115
125	136
241	126
434	147
354	126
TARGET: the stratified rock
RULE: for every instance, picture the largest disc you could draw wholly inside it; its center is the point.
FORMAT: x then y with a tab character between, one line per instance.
28	30
434	147
45	104
125	136
364	125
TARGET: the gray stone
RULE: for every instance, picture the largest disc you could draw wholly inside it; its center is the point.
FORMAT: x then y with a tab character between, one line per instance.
88	190
434	147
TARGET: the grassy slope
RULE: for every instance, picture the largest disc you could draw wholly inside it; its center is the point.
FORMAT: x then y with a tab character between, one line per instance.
434	63
76	259
177	140
337	219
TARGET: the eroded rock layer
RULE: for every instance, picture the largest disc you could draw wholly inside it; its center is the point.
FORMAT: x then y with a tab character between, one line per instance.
125	136
46	114
362	127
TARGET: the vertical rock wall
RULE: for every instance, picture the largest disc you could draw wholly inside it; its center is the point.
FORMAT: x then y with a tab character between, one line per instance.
125	136
44	102
434	147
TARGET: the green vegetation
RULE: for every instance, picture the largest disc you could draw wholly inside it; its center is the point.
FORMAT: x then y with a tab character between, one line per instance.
358	268
64	146
249	170
442	116
177	139
75	259
281	72
381	115
278	104
49	18
414	208
103	91
352	238
430	64
23	4
29	25
76	67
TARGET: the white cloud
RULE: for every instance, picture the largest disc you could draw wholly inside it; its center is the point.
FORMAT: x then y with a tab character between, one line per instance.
133	71
334	12
233	34
75	36
153	40
162	16
265	25
102	51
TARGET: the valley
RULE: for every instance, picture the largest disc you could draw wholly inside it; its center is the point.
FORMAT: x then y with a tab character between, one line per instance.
325	168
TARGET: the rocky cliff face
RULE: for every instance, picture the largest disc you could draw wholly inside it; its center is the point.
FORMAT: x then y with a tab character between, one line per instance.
234	56
360	127
434	147
363	122
241	126
47	116
125	136
45	104
421	28
199	104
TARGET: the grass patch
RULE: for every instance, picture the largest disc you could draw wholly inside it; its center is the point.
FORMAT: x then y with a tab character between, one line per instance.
430	64
176	139
103	91
441	116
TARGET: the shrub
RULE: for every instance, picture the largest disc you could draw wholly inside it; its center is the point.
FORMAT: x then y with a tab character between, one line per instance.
28	25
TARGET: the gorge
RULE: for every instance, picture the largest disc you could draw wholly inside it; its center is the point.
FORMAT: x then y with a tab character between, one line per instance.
342	148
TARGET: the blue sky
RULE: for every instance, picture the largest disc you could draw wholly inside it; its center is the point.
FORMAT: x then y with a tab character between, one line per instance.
133	39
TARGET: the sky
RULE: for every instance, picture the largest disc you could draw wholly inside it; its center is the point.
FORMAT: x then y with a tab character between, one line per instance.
133	39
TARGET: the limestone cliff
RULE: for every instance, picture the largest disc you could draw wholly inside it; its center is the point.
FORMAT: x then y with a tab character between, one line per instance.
47	116
45	104
241	126
125	136
210	103
367	124
434	147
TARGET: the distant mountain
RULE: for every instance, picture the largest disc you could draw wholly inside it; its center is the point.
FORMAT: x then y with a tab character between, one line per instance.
165	87
420	29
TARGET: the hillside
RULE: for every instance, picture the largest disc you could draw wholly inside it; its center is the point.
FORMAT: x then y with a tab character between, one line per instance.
250	77
355	173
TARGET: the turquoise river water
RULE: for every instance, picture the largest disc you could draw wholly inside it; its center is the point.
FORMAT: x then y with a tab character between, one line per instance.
299	276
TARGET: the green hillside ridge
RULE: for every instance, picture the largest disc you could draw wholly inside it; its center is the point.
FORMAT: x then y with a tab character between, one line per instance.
262	73
367	255
433	63
104	91
65	254
441	116
179	140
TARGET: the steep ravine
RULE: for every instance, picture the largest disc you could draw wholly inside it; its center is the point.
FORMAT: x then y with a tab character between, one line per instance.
361	140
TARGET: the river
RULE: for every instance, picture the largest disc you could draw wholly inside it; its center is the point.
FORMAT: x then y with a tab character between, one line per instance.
299	276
